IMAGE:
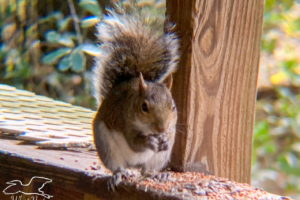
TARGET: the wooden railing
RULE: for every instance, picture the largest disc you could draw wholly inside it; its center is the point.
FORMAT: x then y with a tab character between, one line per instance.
215	86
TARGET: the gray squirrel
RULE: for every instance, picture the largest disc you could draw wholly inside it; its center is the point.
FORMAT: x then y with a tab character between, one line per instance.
135	124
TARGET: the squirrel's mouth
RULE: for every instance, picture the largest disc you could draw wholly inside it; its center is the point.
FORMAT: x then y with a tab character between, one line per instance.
158	134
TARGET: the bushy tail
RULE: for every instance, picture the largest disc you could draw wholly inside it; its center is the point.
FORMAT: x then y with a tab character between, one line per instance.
130	45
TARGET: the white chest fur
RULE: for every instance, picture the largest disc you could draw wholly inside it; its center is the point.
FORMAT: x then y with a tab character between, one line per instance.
119	154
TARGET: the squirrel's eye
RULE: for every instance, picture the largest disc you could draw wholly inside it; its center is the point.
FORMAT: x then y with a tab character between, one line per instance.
173	108
145	107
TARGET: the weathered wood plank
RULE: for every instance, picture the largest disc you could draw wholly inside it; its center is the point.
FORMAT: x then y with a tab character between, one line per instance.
72	181
215	86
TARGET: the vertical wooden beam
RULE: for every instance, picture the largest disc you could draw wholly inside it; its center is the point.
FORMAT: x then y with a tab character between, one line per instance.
215	87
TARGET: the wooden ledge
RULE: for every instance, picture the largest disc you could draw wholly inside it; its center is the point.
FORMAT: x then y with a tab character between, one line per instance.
73	174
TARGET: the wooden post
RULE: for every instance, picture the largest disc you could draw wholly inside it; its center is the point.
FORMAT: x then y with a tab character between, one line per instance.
215	87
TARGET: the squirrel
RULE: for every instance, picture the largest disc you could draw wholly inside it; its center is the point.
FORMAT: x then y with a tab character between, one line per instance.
135	123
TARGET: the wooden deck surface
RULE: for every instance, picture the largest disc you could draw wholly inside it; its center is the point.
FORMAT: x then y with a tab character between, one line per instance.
78	175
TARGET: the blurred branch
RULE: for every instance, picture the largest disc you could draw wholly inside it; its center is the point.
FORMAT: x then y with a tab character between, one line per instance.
271	92
75	20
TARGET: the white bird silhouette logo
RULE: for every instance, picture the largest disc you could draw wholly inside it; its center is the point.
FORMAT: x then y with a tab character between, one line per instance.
16	187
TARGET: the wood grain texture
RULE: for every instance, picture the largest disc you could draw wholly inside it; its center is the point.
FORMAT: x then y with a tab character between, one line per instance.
72	180
215	86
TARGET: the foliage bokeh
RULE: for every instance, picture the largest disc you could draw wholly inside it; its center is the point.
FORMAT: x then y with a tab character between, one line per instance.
48	46
276	152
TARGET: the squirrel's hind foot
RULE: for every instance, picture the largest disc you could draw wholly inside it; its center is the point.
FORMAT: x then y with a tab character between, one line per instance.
119	176
159	176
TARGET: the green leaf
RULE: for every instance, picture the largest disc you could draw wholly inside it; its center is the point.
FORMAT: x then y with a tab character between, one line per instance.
269	45
31	31
54	16
90	49
24	69
289	163
51	58
270	147
66	40
70	35
63	24
52	36
269	5
261	133
89	21
64	63
77	61
292	63
91	6
261	128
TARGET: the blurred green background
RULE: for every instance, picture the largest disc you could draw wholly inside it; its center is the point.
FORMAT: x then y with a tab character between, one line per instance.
48	46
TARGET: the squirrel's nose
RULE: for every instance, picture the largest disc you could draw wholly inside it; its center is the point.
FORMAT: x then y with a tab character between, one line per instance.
160	128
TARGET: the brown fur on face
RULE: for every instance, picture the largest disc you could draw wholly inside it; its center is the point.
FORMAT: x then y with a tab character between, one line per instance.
160	108
124	107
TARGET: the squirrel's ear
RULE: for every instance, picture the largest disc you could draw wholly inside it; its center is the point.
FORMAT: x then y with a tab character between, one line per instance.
169	81
142	84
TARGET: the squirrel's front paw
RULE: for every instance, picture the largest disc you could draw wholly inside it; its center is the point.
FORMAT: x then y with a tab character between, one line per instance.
153	143
163	143
158	143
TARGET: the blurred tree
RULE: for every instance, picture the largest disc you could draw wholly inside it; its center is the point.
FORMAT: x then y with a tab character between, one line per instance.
48	46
